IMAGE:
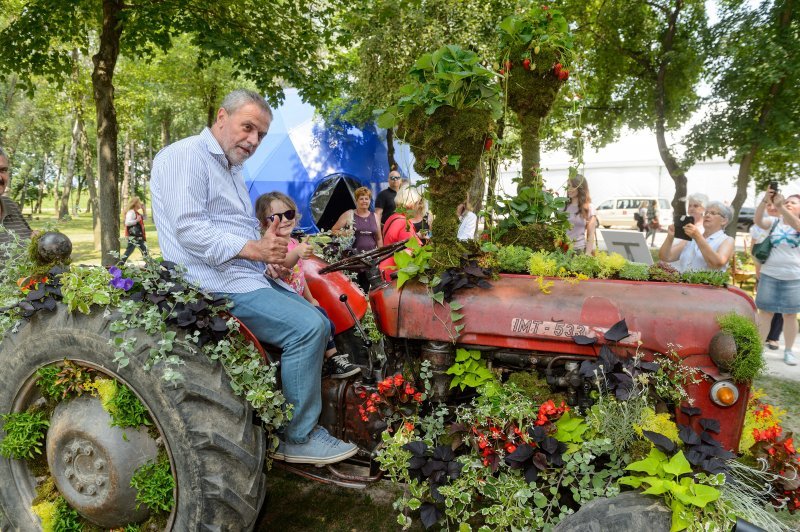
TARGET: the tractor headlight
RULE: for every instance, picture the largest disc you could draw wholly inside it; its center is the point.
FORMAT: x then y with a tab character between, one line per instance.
724	393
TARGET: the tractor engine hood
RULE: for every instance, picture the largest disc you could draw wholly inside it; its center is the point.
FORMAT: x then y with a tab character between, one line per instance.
516	314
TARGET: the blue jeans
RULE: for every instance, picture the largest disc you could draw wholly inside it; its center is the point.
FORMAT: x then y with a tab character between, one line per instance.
284	319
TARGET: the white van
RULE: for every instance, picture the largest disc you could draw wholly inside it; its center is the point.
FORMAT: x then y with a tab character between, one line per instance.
618	212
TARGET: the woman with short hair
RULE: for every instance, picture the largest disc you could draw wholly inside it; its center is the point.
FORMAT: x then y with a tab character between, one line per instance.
365	227
708	250
398	226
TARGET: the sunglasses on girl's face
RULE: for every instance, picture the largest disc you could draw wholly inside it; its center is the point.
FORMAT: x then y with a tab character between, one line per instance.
288	215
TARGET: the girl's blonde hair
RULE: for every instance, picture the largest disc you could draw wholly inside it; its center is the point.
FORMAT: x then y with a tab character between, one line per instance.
264	202
132	203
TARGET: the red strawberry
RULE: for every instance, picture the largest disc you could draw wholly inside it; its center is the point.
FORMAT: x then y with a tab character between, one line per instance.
563	75
526	63
557	67
502	72
488	144
545	8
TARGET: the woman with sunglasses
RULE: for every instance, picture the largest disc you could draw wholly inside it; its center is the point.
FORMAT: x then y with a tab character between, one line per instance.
278	208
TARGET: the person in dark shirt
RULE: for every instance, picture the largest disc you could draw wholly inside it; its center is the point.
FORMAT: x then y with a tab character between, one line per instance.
384	203
10	214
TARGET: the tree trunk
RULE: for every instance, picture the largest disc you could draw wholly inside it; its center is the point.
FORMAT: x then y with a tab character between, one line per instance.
530	144
746	162
63	210
166	124
102	82
390	149
76	206
57	191
211	103
24	189
42	178
491	193
88	165
126	174
675	171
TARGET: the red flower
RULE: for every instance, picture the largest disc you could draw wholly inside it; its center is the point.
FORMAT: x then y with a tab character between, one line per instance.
510	447
418	397
398	379
409	426
788	444
409	389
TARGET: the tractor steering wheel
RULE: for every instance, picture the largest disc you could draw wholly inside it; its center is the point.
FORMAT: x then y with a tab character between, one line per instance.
366	259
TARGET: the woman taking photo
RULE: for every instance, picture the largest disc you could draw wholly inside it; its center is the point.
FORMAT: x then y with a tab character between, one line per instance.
364	225
779	282
581	215
709	249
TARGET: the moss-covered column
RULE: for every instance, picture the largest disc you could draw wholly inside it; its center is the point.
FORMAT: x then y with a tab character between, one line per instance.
530	144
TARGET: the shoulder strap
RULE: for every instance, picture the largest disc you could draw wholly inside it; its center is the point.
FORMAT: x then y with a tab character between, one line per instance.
387	226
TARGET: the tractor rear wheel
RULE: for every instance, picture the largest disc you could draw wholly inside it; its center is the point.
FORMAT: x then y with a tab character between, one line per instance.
215	450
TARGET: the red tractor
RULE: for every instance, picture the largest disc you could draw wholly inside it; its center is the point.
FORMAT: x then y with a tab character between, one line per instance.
215	446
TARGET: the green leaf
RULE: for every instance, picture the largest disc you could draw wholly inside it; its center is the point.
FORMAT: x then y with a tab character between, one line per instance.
651	465
462	355
704	494
414	504
678	465
455	316
455	305
438	297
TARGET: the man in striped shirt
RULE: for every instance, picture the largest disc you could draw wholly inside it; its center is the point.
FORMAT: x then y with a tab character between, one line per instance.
206	222
10	215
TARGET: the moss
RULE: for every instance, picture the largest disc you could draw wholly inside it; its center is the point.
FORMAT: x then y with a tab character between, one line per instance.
658	423
514	259
538	237
534	387
46	491
47	512
748	362
40	266
531	94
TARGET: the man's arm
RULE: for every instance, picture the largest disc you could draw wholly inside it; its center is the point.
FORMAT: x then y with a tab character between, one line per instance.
180	184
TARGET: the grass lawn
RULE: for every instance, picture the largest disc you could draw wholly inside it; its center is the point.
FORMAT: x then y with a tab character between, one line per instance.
79	230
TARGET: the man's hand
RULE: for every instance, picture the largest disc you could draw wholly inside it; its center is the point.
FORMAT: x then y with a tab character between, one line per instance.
270	248
276	271
273	245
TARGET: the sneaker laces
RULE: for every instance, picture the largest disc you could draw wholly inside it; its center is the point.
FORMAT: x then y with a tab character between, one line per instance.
341	360
325	437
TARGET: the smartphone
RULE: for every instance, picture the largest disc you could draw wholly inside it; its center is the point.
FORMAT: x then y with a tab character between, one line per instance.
680	223
773	186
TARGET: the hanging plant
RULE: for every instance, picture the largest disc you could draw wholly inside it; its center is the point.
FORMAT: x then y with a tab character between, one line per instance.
447	112
536	55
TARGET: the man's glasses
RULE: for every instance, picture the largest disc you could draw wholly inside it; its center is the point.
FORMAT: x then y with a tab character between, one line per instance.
712	213
288	215
395	178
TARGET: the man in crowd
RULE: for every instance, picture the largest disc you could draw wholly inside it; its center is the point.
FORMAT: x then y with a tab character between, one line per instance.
384	203
10	215
206	222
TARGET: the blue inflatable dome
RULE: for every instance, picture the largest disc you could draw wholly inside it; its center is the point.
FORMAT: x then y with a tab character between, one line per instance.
320	165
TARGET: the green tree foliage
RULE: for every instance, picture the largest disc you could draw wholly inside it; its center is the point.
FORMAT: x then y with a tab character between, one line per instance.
643	60
753	114
272	43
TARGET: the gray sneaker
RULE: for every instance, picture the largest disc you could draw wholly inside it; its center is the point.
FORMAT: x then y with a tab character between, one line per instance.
789	358
320	449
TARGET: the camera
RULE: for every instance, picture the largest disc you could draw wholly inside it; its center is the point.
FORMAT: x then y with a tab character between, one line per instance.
680	223
773	186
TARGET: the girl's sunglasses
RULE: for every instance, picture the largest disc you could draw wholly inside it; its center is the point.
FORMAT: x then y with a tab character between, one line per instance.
289	215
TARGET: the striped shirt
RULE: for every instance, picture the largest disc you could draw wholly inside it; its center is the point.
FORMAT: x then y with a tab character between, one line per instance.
204	216
12	220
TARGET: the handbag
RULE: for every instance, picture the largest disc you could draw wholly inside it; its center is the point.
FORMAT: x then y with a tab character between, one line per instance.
135	231
762	250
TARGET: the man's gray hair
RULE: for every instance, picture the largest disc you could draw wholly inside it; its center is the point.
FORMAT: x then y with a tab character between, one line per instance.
238	98
723	209
702	199
3	153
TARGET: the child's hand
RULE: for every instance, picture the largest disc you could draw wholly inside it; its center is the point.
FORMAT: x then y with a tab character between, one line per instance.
304	250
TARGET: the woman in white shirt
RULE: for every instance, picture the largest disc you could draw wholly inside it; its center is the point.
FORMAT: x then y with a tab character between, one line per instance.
469	221
134	228
710	249
779	282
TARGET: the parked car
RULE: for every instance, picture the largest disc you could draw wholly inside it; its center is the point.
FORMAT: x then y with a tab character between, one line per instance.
745	219
619	211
